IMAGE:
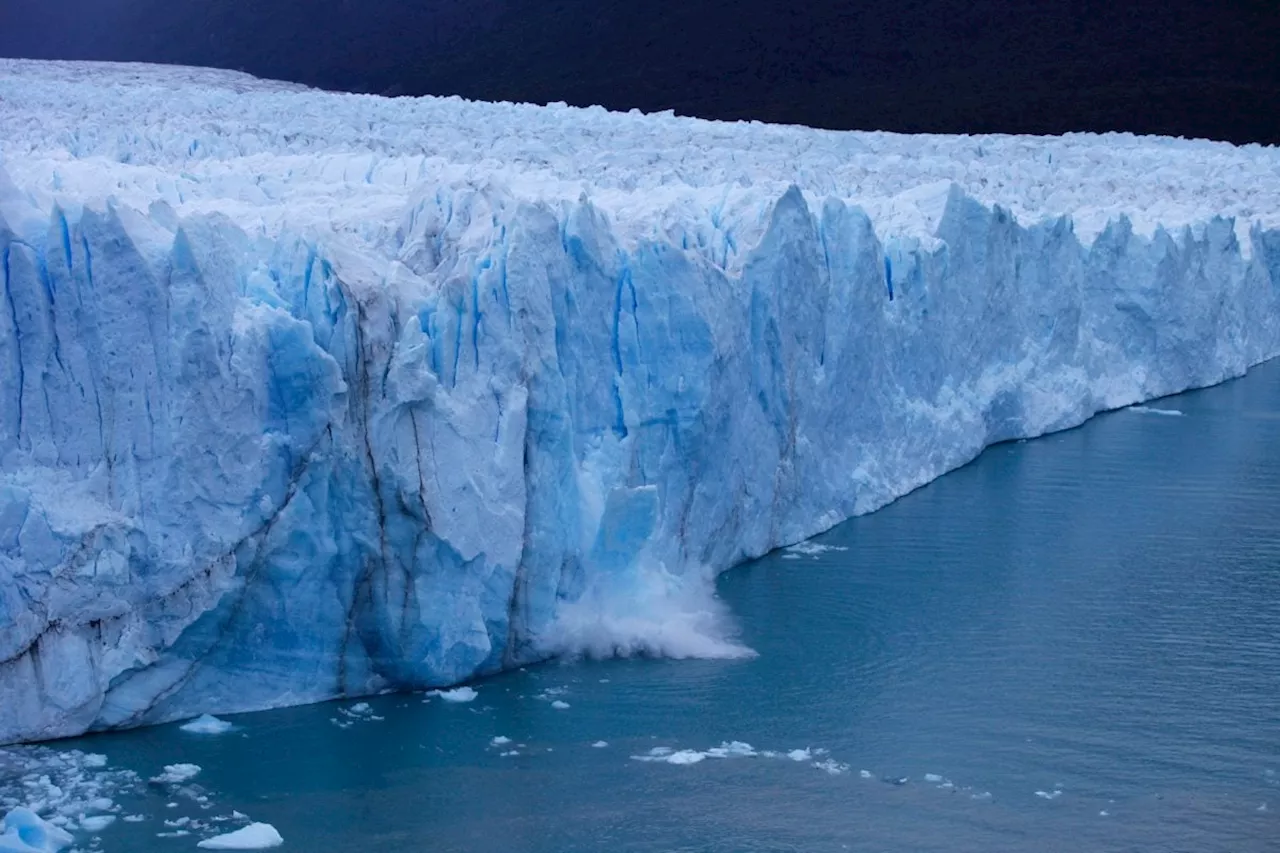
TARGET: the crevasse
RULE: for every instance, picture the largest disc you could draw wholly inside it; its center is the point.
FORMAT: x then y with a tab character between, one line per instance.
250	462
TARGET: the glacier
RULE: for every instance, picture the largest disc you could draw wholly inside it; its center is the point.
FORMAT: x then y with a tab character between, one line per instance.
307	395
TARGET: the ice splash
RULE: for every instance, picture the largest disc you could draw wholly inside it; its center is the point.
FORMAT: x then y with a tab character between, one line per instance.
653	614
1151	410
457	695
207	724
810	549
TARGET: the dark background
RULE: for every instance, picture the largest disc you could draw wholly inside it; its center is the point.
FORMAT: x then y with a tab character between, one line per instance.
1209	68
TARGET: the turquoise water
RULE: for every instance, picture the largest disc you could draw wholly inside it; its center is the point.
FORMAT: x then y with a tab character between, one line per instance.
1094	616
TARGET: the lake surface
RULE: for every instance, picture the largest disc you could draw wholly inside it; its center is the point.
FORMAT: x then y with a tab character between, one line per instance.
1071	644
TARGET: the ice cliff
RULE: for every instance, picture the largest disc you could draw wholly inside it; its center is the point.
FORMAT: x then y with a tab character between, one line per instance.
306	395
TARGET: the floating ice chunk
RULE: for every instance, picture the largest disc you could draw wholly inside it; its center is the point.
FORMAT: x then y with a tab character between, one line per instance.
255	836
458	694
500	741
1104	813
510	752
1151	410
26	832
830	765
176	774
732	749
360	708
800	754
1049	795
134	818
866	774
1262	808
600	744
94	760
560	704
727	749
207	724
97	823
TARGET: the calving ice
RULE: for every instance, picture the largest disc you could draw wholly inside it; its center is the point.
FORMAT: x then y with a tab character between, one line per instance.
307	395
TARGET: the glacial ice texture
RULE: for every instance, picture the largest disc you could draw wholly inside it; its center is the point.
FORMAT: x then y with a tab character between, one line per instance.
306	395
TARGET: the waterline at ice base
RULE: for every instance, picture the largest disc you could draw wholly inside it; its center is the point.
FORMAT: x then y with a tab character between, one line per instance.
307	395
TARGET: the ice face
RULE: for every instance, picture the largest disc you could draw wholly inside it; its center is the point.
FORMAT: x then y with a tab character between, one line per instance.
400	393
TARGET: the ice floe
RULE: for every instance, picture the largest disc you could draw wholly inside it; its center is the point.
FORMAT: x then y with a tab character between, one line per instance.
255	836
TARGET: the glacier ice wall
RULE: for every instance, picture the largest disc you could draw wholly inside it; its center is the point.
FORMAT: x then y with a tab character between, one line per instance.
249	463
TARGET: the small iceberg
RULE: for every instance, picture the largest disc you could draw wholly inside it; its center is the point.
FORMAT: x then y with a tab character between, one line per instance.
176	774
26	832
97	823
255	836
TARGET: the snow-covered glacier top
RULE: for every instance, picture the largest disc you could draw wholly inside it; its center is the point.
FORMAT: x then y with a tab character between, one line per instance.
305	395
277	153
